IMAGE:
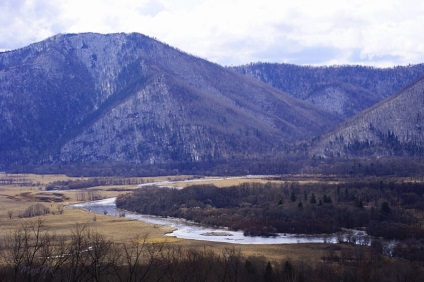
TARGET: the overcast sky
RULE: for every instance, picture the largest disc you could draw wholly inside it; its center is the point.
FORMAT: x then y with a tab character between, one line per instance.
234	32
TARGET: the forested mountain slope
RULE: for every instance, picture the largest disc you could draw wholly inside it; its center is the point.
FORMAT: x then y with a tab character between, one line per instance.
394	127
129	98
341	90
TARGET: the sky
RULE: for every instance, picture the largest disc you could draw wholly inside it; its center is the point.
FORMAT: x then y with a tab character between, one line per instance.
235	32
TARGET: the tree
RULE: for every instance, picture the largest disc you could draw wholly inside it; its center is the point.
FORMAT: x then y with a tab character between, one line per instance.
78	247
100	256
293	197
133	254
359	203
35	210
385	209
27	251
313	199
288	271
327	199
268	273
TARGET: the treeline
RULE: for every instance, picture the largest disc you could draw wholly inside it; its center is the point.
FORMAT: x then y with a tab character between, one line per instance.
32	253
91	182
387	209
296	162
121	169
304	81
34	210
16	180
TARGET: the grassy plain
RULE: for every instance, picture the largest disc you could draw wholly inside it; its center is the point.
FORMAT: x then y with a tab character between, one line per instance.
18	192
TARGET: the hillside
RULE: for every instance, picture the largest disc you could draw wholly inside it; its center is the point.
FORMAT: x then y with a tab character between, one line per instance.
129	98
394	127
341	90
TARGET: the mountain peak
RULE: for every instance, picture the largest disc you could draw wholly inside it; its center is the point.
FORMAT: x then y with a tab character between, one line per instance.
392	127
127	97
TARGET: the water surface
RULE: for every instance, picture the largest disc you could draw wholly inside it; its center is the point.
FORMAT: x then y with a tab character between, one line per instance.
189	230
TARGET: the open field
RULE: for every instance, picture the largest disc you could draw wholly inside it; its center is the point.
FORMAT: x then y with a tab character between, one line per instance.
16	197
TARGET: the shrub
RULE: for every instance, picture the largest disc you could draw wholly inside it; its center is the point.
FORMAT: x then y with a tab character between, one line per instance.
35	210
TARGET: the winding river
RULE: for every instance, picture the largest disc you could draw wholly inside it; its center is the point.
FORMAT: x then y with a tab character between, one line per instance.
188	230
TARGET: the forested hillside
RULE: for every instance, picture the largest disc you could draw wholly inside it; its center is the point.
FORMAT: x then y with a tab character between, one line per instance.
342	90
390	128
129	98
129	104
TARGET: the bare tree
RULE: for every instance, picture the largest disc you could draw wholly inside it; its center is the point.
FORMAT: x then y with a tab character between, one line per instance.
100	255
132	254
153	260
77	249
231	259
56	255
23	250
13	251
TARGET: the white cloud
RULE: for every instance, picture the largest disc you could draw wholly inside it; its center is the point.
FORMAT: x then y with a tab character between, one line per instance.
24	22
236	31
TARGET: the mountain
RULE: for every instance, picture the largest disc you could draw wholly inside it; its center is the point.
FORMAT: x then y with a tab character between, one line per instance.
130	98
341	90
393	127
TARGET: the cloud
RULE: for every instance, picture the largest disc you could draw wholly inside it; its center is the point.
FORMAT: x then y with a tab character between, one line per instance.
24	22
235	32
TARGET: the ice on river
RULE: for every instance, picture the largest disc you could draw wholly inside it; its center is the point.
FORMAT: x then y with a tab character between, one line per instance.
188	230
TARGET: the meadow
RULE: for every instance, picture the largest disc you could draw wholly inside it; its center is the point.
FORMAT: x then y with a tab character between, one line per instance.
20	193
29	189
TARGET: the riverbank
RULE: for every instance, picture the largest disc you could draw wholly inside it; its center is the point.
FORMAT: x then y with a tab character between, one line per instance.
183	229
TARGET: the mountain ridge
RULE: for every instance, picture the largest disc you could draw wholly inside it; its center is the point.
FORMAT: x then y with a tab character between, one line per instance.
127	97
341	90
392	127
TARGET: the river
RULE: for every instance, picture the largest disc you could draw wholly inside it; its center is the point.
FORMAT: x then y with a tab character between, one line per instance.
189	230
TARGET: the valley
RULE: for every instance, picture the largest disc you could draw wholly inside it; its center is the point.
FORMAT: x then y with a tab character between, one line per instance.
19	192
285	170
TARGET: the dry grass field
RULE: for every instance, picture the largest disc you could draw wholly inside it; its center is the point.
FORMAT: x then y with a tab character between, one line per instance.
26	190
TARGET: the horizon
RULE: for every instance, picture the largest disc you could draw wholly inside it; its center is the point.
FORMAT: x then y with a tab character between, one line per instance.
242	64
230	33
